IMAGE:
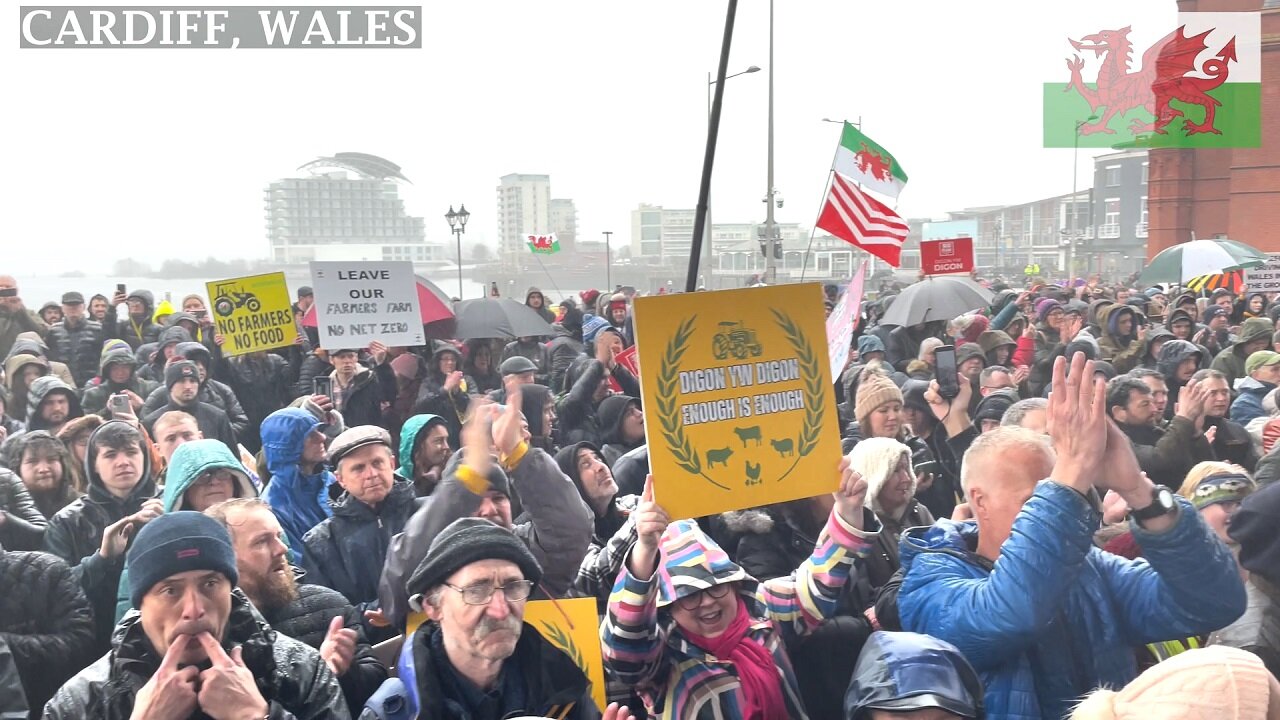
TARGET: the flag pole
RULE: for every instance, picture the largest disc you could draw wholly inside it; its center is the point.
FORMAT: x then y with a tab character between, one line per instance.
804	268
548	274
709	156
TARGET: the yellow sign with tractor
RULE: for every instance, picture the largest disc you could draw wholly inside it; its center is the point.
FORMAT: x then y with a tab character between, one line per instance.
252	313
739	405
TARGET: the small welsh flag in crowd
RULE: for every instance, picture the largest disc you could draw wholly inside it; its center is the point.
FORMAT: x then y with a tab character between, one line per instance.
547	244
1196	84
863	161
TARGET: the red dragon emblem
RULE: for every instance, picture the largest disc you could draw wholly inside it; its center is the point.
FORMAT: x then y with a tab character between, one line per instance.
1165	76
874	164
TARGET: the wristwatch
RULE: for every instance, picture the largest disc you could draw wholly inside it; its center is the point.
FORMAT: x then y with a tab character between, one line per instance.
1161	504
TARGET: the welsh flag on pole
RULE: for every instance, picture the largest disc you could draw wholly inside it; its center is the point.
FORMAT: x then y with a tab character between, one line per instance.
862	221
547	244
865	162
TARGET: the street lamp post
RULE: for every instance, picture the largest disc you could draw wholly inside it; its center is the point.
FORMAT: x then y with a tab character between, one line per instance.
608	260
458	226
707	254
770	226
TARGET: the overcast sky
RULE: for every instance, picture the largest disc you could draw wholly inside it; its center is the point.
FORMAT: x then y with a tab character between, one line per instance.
165	153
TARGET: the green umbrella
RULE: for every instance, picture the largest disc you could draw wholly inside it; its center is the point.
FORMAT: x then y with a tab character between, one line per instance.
1186	261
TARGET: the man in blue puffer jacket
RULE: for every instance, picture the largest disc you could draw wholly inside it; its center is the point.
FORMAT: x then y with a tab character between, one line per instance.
1042	614
293	445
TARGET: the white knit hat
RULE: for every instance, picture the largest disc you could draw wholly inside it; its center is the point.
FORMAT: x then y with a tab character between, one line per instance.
1213	683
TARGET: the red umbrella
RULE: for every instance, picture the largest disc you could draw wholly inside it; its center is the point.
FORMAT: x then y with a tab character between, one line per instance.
435	305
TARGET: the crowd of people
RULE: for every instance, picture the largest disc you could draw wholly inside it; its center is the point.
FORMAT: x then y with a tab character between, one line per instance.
1081	523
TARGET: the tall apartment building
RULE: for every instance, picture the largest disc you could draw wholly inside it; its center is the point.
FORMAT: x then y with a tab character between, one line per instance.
524	206
564	222
336	216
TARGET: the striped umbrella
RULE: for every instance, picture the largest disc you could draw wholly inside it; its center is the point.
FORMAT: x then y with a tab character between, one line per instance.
1184	261
1233	281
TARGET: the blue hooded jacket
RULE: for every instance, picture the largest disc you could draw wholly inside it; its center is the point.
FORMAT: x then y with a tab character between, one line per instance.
1055	617
300	502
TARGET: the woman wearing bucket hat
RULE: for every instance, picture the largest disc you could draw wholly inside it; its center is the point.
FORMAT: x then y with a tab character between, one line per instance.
699	637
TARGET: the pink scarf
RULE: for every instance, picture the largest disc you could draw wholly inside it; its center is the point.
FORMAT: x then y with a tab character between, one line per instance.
757	672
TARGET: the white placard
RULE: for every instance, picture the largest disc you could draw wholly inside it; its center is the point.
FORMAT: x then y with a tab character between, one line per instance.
1265	278
359	302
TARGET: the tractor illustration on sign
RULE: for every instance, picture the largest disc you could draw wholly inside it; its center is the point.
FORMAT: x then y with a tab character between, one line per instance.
229	298
735	339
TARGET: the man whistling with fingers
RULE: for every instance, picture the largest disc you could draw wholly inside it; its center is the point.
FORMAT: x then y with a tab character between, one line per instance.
195	646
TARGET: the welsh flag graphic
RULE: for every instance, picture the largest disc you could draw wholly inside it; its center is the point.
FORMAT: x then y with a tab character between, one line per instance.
1197	84
547	244
865	162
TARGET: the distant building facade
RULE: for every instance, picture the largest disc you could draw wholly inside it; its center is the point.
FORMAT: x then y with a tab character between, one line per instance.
336	216
524	206
563	219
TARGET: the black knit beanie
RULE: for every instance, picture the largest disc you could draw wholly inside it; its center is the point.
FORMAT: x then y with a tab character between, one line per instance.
465	541
179	370
178	542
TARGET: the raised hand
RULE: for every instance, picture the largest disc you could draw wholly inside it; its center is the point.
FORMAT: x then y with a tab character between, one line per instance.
1077	422
617	712
171	692
1114	508
150	510
851	495
507	428
1191	402
227	688
339	647
954	413
115	538
1020	374
604	353
454	380
476	438
378	352
651	522
1072	328
1119	468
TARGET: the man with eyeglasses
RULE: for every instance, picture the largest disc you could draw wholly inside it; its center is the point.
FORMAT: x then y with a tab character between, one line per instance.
996	378
475	657
201	474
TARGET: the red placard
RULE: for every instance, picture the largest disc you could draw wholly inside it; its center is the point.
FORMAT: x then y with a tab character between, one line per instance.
946	257
627	359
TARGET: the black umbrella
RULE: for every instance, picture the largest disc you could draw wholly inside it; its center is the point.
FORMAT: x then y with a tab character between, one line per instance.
936	298
497	318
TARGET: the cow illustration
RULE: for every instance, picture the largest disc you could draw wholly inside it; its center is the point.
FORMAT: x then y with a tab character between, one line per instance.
719	456
785	446
748	433
753	473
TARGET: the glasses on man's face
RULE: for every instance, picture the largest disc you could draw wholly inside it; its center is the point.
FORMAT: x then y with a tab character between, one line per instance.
691	602
482	593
